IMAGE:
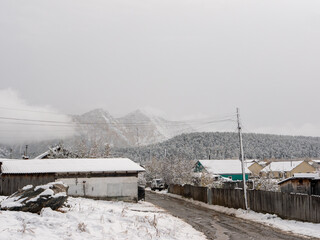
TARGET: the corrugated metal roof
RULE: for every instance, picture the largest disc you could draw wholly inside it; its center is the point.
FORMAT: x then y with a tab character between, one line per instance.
227	166
70	165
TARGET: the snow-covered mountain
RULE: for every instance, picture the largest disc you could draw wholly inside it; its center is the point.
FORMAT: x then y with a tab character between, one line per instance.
97	131
146	128
99	125
134	129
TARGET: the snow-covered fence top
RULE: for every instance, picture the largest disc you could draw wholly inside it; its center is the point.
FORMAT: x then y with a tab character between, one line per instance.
78	165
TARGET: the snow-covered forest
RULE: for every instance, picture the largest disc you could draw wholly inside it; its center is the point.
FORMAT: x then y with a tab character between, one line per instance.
225	145
220	145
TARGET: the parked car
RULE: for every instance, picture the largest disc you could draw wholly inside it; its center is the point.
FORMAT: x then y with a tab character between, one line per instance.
158	184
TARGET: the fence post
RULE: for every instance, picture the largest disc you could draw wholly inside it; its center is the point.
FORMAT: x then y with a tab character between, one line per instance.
209	196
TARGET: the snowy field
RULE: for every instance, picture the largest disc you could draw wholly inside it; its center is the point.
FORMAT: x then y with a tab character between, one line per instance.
90	219
297	227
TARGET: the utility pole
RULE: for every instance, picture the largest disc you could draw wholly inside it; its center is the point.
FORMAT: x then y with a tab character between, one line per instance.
150	156
242	160
26	150
138	146
25	155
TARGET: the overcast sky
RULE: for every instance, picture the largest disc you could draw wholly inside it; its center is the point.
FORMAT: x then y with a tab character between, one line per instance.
183	57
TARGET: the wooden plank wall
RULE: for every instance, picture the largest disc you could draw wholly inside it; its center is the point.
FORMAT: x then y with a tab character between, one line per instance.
11	183
189	191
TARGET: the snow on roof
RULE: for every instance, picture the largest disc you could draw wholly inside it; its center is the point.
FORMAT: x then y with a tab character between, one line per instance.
70	165
51	150
284	166
306	175
251	160
42	155
311	176
227	166
7	159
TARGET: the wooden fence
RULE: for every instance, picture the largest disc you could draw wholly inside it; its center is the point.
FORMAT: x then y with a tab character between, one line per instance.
290	206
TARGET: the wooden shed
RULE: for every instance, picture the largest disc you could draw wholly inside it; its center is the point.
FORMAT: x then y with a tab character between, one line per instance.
103	178
301	183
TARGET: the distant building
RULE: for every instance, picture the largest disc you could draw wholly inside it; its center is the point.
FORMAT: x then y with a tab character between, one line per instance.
307	183
255	167
286	169
228	168
315	164
104	178
56	152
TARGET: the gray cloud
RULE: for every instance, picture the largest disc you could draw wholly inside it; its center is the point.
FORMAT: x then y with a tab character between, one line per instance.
21	122
186	57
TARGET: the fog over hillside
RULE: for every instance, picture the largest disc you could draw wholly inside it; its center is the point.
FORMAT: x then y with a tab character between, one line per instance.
98	129
141	136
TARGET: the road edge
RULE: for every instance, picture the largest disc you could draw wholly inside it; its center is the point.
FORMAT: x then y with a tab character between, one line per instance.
232	212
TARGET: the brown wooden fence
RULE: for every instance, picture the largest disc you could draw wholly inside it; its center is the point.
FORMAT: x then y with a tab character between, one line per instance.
291	206
189	191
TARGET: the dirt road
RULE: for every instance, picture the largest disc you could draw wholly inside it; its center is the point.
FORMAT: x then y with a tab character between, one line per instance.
213	224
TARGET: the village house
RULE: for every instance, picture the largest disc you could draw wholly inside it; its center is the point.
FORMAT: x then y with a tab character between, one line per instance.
307	183
98	178
286	169
228	168
316	164
255	167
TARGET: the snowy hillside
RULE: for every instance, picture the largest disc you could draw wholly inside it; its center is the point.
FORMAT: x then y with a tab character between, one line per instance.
145	128
4	152
224	145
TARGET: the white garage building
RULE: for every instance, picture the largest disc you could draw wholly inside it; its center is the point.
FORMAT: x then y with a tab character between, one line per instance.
104	178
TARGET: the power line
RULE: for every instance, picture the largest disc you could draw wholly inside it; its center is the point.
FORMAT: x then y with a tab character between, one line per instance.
35	124
145	123
70	115
33	120
25	110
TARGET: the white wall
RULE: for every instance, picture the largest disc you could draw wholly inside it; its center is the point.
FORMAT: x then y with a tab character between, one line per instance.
125	188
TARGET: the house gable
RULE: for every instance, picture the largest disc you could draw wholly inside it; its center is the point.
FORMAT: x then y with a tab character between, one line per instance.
255	168
303	167
198	167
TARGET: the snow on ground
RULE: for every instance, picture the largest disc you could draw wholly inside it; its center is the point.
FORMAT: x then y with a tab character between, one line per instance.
92	219
296	227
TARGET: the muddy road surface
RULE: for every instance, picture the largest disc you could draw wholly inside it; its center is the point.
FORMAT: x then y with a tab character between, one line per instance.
216	225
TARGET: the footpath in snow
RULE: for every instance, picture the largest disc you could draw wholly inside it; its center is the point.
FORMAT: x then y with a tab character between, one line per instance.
297	227
92	219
